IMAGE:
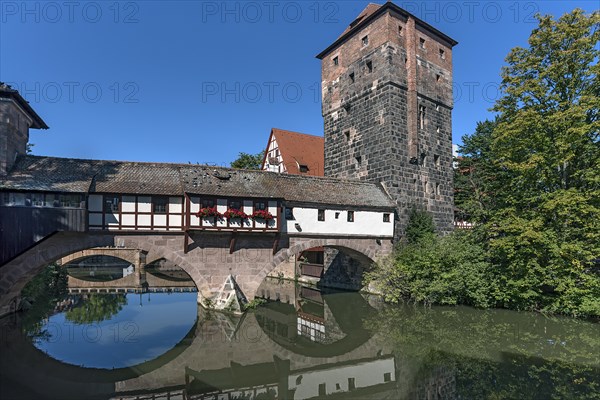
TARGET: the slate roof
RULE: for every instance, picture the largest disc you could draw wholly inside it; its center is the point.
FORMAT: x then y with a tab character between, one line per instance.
52	174
300	149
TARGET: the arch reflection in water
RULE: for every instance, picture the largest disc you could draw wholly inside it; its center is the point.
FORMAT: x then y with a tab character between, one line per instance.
117	323
402	353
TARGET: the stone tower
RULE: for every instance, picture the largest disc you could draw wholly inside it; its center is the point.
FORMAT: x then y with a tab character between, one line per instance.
16	118
387	105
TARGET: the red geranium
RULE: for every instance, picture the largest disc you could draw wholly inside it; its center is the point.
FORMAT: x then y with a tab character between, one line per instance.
233	213
262	214
209	212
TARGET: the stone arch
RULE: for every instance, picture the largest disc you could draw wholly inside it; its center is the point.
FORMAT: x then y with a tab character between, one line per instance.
365	250
15	274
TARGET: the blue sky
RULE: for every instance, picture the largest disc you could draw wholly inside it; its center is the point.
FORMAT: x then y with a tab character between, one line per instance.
191	81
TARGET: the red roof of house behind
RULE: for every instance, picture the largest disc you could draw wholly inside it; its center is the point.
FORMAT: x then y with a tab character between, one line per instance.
300	149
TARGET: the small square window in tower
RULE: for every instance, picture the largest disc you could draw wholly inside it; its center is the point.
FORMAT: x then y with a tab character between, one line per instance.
352	77
422	43
436	160
442	54
399	29
358	162
365	40
369	66
336	61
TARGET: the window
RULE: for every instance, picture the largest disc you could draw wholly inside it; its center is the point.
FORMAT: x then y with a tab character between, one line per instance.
352	77
351	384
422	43
260	205
303	168
208	203
436	160
399	29
347	134
276	152
369	66
235	205
386	217
37	199
289	213
387	377
111	203
337	215
322	389
159	205
321	215
336	61
422	117
358	161
442	54
365	40
437	189
437	129
437	107
350	216
437	77
52	200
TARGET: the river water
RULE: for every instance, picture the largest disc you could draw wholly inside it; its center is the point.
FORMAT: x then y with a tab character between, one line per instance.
302	343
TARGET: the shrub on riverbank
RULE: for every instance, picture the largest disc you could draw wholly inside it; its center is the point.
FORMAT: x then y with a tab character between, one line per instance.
437	270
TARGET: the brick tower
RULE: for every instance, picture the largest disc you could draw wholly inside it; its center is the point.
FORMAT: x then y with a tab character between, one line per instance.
387	105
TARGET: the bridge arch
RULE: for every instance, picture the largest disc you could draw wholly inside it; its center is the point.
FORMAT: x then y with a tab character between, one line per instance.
16	273
366	251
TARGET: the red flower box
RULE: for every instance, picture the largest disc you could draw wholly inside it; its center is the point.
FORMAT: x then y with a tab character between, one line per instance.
233	213
209	212
262	214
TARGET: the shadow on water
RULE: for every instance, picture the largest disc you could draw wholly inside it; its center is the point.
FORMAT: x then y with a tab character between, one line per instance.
306	343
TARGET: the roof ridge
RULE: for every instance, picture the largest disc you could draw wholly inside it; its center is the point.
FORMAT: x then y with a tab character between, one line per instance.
297	133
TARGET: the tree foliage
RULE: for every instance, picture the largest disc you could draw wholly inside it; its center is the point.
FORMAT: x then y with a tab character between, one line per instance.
544	228
420	226
248	161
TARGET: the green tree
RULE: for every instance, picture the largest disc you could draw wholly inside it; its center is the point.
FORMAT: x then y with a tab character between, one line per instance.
420	226
248	161
97	308
545	226
476	177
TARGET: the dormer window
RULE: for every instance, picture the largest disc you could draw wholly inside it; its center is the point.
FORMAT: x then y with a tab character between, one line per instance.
365	40
336	61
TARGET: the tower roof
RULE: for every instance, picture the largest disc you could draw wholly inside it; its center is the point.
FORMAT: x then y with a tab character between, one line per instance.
373	11
9	93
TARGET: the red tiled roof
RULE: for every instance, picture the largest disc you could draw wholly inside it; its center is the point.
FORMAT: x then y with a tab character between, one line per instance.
301	149
370	9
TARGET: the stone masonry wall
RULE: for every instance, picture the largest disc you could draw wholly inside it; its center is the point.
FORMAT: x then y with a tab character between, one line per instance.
373	129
